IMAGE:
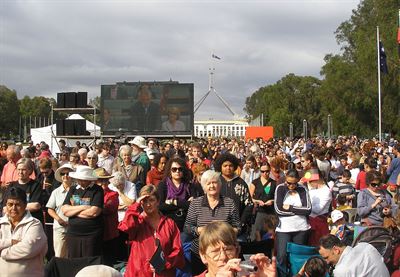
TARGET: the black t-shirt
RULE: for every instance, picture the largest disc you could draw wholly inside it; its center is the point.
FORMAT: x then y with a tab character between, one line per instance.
92	196
45	195
264	193
33	194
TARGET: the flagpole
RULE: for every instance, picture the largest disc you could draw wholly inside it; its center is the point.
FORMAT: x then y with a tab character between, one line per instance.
379	83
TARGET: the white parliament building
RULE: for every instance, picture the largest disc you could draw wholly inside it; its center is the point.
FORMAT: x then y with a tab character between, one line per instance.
220	128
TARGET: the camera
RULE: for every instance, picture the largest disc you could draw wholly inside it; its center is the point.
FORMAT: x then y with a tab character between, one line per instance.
247	267
195	160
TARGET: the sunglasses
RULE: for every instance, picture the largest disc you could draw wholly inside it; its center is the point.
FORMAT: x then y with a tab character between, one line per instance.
176	169
291	183
375	185
264	171
64	174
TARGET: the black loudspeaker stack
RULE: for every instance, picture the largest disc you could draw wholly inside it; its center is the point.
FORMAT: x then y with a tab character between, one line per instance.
60	131
71	127
81	99
72	99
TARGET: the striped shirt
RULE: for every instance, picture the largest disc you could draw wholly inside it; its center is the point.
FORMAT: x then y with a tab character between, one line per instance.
200	214
342	188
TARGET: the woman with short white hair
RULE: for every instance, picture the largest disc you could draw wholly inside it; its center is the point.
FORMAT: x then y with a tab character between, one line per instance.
127	195
208	208
92	159
126	191
133	173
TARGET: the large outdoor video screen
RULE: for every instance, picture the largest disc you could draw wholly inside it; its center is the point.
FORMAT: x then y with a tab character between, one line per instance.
147	108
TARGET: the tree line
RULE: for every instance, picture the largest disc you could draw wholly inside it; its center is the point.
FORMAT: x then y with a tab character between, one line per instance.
348	88
18	116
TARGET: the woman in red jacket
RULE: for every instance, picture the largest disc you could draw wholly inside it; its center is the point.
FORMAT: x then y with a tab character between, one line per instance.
149	233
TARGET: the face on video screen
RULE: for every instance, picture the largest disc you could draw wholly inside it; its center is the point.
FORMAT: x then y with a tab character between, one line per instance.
153	108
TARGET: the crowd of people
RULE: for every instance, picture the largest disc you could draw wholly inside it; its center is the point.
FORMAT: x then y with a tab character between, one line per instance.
183	208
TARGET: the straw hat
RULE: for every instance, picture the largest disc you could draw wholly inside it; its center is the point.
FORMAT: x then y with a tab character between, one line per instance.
57	175
83	172
139	142
101	173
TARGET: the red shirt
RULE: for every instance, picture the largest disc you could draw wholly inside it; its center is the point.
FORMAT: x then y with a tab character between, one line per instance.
110	214
10	174
154	176
361	182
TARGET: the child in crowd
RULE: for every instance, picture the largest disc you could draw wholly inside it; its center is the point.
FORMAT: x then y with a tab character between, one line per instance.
268	230
340	227
344	187
342	202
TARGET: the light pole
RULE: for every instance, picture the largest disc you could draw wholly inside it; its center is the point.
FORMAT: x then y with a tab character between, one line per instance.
305	128
329	126
291	130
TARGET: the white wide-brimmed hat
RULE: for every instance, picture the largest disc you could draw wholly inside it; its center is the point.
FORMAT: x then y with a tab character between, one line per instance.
98	270
57	175
139	142
83	172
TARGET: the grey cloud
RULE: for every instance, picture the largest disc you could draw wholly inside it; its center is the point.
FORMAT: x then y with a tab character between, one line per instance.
51	46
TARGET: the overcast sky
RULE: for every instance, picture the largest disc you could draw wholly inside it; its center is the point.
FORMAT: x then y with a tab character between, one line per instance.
50	46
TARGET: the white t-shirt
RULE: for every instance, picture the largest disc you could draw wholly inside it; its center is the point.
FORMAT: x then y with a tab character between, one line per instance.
294	223
321	199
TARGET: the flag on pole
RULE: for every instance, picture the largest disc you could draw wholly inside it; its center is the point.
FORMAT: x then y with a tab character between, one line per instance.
215	57
382	63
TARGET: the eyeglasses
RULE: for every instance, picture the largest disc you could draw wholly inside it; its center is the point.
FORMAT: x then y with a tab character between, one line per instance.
289	183
264	171
230	252
64	173
91	158
176	169
375	185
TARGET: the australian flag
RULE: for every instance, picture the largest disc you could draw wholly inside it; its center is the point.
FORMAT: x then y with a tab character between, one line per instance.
382	63
215	57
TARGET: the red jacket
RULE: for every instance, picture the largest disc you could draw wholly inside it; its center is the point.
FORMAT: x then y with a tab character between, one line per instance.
110	214
141	235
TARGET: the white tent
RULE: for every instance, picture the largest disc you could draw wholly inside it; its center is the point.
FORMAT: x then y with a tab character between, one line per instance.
47	134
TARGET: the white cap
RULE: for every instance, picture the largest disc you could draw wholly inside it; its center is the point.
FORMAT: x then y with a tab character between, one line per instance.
336	215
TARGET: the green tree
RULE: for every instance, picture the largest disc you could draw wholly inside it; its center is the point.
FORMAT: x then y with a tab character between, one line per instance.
9	112
348	90
291	99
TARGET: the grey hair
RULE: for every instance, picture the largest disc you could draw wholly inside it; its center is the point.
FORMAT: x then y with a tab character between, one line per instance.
27	162
118	179
14	149
208	176
82	151
125	148
92	154
24	153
